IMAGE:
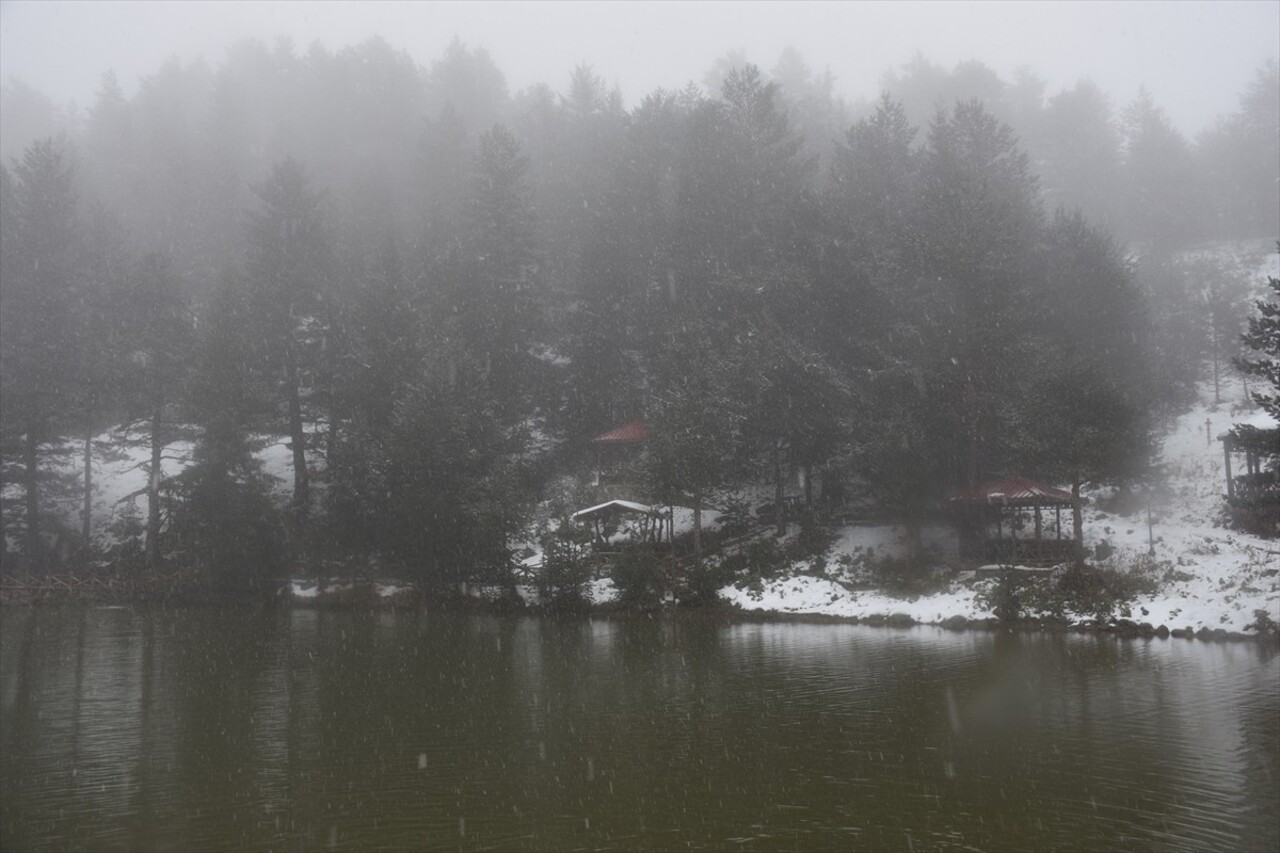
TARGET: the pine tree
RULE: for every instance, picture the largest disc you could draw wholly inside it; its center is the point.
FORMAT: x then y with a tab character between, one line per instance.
696	420
158	327
467	81
379	362
623	295
97	346
1263	338
979	222
1158	176
224	522
1085	429
1240	158
452	476
289	265
493	289
41	284
1082	164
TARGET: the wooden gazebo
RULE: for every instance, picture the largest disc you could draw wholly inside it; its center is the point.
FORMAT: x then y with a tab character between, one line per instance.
652	523
991	517
1258	445
618	454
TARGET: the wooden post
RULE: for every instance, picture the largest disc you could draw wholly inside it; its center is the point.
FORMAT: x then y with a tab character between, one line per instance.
1039	547
1077	520
1151	536
1226	457
1013	536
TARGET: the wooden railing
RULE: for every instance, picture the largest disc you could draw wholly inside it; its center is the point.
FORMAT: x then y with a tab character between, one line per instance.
1027	552
92	585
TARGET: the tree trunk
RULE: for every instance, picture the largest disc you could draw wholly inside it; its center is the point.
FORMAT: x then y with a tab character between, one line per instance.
779	506
697	528
1217	399
153	492
1151	532
297	438
86	518
913	543
1077	519
34	547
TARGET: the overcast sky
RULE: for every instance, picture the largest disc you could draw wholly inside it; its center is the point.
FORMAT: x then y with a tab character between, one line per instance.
1195	57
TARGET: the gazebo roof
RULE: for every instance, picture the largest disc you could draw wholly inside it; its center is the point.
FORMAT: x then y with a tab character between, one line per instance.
617	506
1013	491
629	433
1242	438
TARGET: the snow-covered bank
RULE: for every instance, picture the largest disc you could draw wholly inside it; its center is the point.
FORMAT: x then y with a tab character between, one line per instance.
803	594
1209	577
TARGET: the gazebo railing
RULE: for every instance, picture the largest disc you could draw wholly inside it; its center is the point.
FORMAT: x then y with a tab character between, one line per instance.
1025	551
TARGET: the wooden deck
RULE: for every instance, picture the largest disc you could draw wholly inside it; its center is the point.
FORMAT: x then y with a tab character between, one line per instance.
1026	552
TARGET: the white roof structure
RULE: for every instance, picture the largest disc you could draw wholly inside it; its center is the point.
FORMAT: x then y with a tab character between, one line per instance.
625	506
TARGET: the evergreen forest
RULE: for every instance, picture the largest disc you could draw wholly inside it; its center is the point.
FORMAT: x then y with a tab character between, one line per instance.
436	291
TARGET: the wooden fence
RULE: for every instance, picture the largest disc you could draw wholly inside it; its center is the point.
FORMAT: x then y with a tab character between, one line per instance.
93	585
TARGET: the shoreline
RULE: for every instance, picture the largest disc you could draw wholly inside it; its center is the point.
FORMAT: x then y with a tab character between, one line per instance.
725	612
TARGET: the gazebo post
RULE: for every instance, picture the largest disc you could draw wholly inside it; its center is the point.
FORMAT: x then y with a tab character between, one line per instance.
1226	455
1039	547
1008	497
1013	534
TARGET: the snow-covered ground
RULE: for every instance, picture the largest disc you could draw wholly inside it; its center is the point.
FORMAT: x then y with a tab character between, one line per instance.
1219	576
1213	577
120	479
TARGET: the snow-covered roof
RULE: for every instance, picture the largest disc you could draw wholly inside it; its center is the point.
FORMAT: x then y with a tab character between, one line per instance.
625	506
1013	491
630	432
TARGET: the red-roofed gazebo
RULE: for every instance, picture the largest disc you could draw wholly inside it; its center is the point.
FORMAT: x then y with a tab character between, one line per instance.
632	432
1001	503
619	452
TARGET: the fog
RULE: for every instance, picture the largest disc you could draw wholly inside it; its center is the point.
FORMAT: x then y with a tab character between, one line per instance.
375	278
1194	57
911	314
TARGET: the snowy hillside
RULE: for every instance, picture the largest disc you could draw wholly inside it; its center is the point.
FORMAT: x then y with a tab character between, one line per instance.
1210	577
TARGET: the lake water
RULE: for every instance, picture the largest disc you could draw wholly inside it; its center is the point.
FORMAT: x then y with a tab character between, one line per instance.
306	730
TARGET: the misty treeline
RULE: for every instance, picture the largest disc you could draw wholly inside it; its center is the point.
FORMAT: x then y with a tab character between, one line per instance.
436	292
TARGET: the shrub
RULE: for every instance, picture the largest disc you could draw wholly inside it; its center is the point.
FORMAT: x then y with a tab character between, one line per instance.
735	517
1264	624
126	536
1258	517
566	567
1004	597
703	583
814	539
765	559
1091	591
894	576
637	573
